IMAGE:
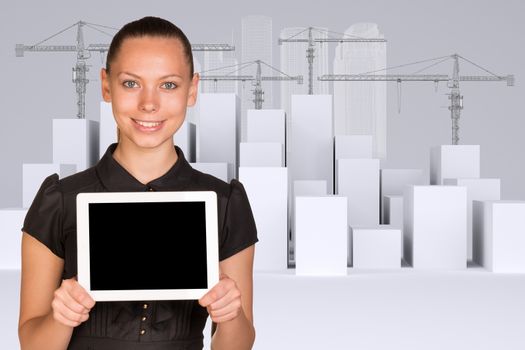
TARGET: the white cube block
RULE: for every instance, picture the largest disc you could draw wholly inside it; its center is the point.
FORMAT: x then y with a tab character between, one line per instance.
261	154
218	129
266	125
358	179
499	235
267	189
353	146
321	240
310	156
11	222
186	139
435	227
394	181
393	213
75	141
477	189
454	161
34	174
376	247
107	127
219	170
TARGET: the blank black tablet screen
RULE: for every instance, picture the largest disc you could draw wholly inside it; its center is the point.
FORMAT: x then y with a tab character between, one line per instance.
160	245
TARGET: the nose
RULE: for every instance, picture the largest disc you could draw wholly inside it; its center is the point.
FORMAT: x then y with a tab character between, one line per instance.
149	101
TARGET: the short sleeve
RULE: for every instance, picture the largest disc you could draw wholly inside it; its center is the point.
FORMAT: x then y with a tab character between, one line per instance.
239	230
44	218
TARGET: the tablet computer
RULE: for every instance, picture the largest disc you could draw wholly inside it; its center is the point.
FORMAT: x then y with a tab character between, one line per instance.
147	245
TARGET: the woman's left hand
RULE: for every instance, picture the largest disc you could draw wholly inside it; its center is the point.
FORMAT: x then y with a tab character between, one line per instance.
223	301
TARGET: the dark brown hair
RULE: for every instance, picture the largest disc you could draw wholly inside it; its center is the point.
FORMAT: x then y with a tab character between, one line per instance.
149	26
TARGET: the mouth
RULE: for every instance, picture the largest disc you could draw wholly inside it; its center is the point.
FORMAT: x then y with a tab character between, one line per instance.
148	125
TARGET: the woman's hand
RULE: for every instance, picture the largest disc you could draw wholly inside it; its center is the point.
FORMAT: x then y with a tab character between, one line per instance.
223	301
71	303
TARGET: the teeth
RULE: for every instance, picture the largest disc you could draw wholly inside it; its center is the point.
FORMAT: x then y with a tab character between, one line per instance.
147	124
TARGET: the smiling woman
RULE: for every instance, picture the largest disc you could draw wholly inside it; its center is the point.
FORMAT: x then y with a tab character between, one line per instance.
149	82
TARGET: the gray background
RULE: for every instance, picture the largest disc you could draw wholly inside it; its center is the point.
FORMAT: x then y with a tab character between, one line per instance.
37	88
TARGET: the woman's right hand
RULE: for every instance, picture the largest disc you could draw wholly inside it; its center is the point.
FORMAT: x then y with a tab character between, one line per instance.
71	303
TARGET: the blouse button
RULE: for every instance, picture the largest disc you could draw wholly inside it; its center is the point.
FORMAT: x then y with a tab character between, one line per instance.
142	332
145	306
143	318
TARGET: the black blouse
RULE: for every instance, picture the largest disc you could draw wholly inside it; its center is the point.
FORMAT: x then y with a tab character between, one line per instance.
137	325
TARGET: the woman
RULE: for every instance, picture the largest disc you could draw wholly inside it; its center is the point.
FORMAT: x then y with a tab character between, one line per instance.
149	81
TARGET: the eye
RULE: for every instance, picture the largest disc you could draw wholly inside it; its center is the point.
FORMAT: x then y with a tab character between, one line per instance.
130	84
169	85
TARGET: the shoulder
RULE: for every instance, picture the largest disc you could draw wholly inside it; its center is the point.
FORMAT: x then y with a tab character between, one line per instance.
207	182
79	182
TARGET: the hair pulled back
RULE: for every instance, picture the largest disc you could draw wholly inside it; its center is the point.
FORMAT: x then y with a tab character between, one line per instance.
149	26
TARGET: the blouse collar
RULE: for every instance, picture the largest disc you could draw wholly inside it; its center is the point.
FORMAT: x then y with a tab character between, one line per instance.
117	179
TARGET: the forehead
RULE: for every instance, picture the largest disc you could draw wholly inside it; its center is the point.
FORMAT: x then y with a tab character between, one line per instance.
151	53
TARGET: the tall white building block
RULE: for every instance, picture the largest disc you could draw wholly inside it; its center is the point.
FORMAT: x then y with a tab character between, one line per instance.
499	235
305	188
11	222
394	181
218	129
261	154
310	156
186	139
453	162
358	179
435	227
219	170
266	125
108	127
376	247
353	146
34	174
477	189
76	141
267	189
321	237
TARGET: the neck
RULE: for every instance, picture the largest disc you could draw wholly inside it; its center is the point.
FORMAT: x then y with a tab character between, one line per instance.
145	164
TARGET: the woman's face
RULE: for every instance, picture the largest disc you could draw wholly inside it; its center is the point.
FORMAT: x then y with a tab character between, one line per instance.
149	87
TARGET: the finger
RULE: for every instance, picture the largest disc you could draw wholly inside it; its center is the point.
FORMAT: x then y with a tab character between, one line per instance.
214	294
60	309
228	317
230	307
227	299
64	298
65	321
79	294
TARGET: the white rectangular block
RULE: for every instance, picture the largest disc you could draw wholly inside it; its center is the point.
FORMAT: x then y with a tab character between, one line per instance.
358	179
394	181
310	156
261	154
267	189
393	213
321	241
454	161
376	247
34	174
499	235
435	227
266	125
353	146
107	127
219	129
11	222
219	170
76	141
186	139
477	189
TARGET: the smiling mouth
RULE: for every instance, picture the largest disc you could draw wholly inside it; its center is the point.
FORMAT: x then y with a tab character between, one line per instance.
147	124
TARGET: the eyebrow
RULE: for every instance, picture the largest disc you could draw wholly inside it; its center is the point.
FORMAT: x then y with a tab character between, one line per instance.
161	78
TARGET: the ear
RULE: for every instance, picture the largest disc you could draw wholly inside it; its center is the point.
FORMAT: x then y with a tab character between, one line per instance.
104	78
194	89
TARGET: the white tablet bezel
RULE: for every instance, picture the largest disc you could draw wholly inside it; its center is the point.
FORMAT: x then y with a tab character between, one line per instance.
83	256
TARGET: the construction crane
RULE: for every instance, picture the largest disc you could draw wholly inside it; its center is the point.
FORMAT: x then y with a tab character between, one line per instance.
455	97
310	51
258	92
84	53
